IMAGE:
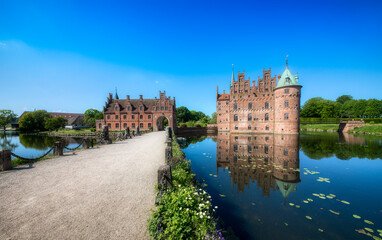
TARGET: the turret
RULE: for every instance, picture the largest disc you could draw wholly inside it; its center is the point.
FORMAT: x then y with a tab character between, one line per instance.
287	104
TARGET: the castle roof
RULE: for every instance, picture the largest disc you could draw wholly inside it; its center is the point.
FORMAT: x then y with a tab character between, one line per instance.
286	188
287	79
135	104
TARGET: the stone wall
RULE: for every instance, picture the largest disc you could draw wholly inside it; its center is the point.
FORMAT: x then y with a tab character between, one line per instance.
350	125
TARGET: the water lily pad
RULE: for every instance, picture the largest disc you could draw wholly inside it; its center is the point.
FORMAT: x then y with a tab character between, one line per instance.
337	213
297	206
345	202
320	230
369	230
315	194
308	217
253	204
310	200
305	201
292	204
221	195
379	230
211	174
286	224
369	222
215	176
356	216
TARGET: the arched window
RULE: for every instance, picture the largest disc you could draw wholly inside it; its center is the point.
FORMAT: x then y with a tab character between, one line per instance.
235	118
117	125
266	117
141	125
100	126
109	125
235	106
116	108
249	105
286	104
286	116
250	117
125	125
266	105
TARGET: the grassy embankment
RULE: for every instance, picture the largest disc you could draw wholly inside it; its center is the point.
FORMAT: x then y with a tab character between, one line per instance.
370	128
185	211
319	127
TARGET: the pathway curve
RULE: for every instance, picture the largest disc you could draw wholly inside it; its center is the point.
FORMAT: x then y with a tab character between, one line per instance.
102	193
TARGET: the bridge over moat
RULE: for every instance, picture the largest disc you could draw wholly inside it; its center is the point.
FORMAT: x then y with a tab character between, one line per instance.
101	193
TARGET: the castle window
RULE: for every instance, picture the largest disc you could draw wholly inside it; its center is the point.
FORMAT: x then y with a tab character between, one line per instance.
249	139
266	128
236	127
286	104
266	139
141	125
124	116
226	102
132	116
235	118
266	90
149	116
236	138
108	116
117	125
220	109
286	152
286	116
285	177
235	106
161	108
285	164
109	125
166	108
116	116
266	117
157	108
140	108
235	148
100	126
249	148
149	125
249	127
249	105
266	105
266	161
235	159
141	117
286	90
246	91
219	103
133	125
128	108
125	125
250	117
255	128
116	108
266	149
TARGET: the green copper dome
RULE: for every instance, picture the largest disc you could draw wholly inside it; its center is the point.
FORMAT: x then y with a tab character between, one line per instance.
287	79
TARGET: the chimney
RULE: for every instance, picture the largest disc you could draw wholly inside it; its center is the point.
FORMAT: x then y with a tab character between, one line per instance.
141	97
223	91
128	97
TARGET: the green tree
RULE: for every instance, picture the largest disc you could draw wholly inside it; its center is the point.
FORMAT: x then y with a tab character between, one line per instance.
373	108
312	107
213	118
348	108
183	114
360	108
34	121
328	109
55	123
6	117
344	98
90	117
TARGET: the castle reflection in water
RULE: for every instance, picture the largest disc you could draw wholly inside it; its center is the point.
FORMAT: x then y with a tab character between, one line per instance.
272	161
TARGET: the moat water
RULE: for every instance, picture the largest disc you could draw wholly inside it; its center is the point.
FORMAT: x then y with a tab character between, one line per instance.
312	186
31	146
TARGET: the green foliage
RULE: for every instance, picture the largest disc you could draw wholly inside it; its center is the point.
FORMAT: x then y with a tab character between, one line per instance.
6	116
345	106
90	117
34	121
184	115
344	98
186	211
213	118
55	123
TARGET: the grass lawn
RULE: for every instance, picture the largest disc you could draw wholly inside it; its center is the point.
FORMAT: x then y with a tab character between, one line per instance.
370	128
323	127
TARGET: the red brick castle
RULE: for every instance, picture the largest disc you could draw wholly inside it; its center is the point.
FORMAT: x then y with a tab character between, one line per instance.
142	113
271	106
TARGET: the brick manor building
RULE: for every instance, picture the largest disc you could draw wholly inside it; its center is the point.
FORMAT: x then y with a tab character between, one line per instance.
142	113
271	106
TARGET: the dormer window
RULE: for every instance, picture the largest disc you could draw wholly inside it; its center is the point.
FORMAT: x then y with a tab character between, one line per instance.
141	108
116	108
128	108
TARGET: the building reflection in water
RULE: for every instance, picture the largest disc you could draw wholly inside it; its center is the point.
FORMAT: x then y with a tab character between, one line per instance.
272	161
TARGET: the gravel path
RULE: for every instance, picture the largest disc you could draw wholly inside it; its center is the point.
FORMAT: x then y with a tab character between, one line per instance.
102	193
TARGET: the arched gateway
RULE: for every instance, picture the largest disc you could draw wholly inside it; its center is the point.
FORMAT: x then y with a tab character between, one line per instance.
146	114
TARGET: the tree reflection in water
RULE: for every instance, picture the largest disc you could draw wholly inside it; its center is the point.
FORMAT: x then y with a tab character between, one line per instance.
6	141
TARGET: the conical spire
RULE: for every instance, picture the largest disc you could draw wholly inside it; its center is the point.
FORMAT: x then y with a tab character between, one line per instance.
287	78
116	94
233	77
286	60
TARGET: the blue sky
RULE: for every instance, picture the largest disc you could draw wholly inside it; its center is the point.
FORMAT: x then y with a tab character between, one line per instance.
68	55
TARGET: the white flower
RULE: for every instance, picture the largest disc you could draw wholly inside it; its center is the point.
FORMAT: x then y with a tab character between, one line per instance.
204	213
201	216
186	209
178	185
216	206
180	208
208	217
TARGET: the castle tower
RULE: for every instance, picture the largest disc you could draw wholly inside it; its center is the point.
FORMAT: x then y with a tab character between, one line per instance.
287	103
